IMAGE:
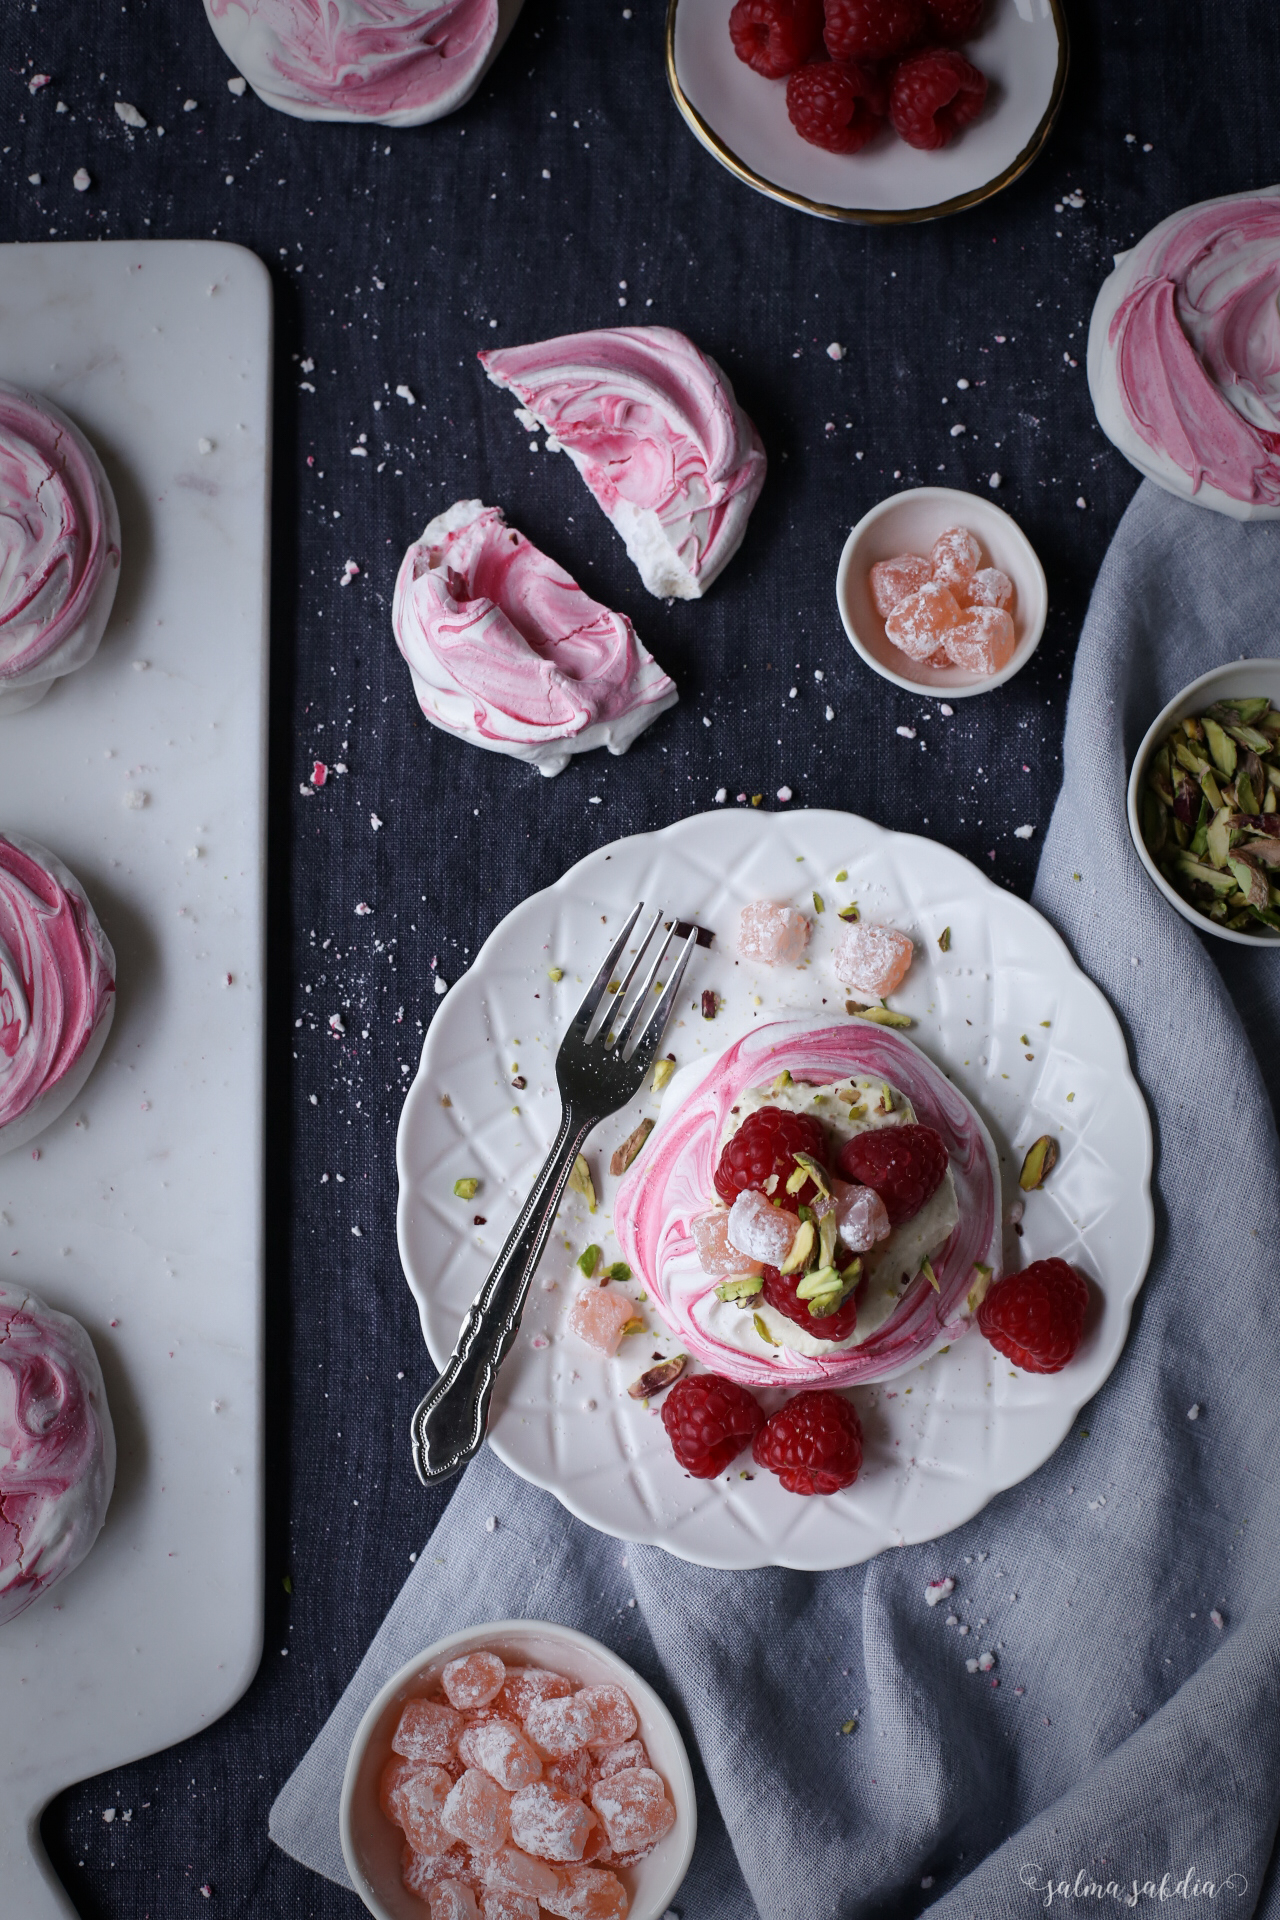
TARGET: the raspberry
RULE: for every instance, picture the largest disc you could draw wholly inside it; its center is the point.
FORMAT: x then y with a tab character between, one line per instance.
872	29
837	105
780	1292
709	1420
774	37
933	95
955	20
1036	1318
905	1165
765	1144
813	1444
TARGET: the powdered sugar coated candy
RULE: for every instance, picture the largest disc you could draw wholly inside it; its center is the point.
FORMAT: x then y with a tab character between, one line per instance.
413	1798
451	1900
982	640
630	1753
474	1679
872	960
427	1730
861	1215
502	1905
524	1685
774	935
476	1811
588	1893
955	557
549	1822
990	587
892	580
500	1750
711	1237
513	1870
919	624
761	1231
572	1771
561	1726
422	1871
615	1715
598	1318
634	1809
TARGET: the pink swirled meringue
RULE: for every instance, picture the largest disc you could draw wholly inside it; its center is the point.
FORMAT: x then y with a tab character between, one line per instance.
507	651
397	63
59	548
671	1184
655	430
57	989
57	1448
1184	354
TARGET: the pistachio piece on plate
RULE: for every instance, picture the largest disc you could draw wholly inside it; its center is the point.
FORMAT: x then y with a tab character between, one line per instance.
1041	1159
665	1374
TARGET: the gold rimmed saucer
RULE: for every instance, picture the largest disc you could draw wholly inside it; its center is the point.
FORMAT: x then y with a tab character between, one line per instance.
741	119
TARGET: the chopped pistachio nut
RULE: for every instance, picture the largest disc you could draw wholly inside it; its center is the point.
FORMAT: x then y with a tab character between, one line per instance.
822	1281
1207	812
580	1181
630	1147
665	1374
850	912
827	1240
801	1248
1041	1159
926	1268
555	973
886	1095
783	1080
757	1321
662	1071
842	875
884	1017
588	1260
618	1271
743	1286
466	1189
978	1291
633	1325
807	1168
819	904
944	940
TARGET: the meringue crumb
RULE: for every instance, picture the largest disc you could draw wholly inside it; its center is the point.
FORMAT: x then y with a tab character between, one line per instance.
134	798
80	180
237	86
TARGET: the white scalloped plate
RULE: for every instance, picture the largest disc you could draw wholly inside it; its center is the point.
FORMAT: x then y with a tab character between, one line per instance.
940	1441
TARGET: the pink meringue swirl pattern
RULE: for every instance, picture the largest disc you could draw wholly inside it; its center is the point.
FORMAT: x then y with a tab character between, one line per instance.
394	62
672	1183
57	989
59	548
57	1448
1190	366
507	651
655	430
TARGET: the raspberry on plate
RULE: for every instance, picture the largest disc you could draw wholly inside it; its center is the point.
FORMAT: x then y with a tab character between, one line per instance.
933	95
780	1292
813	1443
837	105
709	1420
1036	1318
765	1148
774	37
955	20
872	29
906	1166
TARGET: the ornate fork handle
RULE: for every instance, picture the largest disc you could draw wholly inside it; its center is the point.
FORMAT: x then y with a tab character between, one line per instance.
450	1420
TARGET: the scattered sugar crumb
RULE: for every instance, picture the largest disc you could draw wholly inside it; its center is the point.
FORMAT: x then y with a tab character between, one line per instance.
80	180
1023	833
236	86
835	351
1193	1413
127	112
134	798
939	1590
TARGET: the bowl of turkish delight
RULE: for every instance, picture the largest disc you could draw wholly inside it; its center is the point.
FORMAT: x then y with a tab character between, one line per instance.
941	592
513	1771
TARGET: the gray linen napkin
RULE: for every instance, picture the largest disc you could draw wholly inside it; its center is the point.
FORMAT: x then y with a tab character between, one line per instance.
1131	1584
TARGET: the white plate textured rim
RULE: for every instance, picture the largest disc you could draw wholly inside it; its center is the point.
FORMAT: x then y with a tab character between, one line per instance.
1089	1383
684	1789
1022	653
1164	719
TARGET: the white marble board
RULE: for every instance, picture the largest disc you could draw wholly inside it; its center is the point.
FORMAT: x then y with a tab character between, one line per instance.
143	1213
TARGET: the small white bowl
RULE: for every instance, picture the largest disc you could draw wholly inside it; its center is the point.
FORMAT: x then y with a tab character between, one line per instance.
1237	681
910	522
371	1844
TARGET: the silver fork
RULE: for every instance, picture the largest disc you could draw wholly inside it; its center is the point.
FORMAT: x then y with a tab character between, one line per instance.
596	1072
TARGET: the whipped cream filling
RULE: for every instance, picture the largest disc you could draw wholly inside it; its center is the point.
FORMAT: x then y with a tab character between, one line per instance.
1184	354
59	548
57	989
507	651
397	63
57	1448
656	431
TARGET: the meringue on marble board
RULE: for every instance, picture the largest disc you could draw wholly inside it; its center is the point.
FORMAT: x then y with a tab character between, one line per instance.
656	431
57	989
57	1448
59	548
507	651
1184	354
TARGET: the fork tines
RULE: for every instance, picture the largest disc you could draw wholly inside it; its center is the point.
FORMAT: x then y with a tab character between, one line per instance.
630	1031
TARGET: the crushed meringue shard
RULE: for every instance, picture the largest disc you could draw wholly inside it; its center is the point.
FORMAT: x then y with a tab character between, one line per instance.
507	651
654	427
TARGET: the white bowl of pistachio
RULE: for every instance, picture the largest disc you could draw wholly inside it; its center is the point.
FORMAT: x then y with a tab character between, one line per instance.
1204	802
